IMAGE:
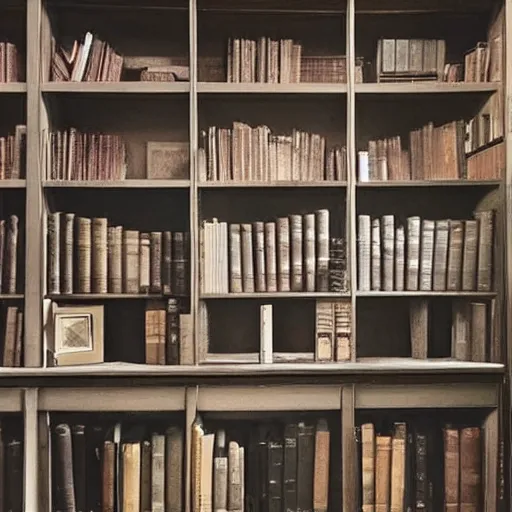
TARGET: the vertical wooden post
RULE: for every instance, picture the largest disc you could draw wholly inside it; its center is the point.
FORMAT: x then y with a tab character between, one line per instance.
30	469
348	448
190	416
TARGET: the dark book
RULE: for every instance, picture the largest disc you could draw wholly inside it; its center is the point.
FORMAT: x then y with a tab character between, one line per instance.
275	475
290	468
63	477
172	341
79	466
305	466
14	474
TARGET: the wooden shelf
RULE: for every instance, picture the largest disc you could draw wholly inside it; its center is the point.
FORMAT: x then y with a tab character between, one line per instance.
272	184
426	88
427	184
264	88
117	87
419	293
13	88
129	183
12	296
107	296
275	295
13	183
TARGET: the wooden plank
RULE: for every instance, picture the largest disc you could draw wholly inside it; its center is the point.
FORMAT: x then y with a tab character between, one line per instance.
274	295
105	296
268	398
30	449
348	449
116	87
426	88
11	400
129	183
190	416
429	184
272	184
44	456
264	88
13	88
112	399
420	293
33	248
13	183
433	395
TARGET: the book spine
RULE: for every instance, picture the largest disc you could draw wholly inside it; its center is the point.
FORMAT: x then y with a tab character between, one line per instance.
131	477
270	256
174	470
156	262
364	252
258	229
67	278
158	473
413	252
321	467
84	255
247	258
235	254
388	252
79	466
99	255
54	253
310	252
290	468
167	263
296	252
131	269
322	250
173	333
65	489
376	256
144	262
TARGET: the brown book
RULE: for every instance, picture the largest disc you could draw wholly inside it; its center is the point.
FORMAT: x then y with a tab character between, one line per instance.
167	263
115	259
64	483
470	470
321	467
10	337
156	262
18	344
451	469
144	263
174	470
108	476
152	336
11	256
478	331
382	473
419	326
145	477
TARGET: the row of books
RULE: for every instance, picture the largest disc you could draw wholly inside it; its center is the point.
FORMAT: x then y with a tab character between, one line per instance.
470	331
408	468
88	60
74	155
13	149
282	467
89	256
294	253
11	65
12	328
128	469
481	63
425	254
168	334
243	153
435	153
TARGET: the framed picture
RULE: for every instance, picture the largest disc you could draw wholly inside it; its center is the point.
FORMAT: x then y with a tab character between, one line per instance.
78	335
168	161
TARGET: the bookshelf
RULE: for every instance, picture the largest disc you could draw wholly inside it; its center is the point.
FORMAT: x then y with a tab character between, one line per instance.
224	378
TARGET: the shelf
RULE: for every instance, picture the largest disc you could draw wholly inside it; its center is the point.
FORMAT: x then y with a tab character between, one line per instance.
419	293
272	184
426	88
117	87
13	88
433	183
275	295
12	296
107	296
13	183
128	183
264	88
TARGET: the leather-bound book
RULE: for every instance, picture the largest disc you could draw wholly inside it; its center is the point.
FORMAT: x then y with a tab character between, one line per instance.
67	246
290	468
388	252
422	494
382	473
11	252
413	253
470	470
53	241
115	259
440	255
364	253
14	473
398	444
305	466
260	280
167	263
220	473
322	250
79	466
426	254
2	253
469	255
131	477
10	337
94	445
145	477
310	252
455	247
84	254
235	259
144	263
179	263
368	466
156	262
247	257
321	467
270	256
451	469
296	236
283	254
186	341
108	476
99	255
64	484
158	472
131	279
18	340
172	341
337	266
275	475
173	469
235	477
485	250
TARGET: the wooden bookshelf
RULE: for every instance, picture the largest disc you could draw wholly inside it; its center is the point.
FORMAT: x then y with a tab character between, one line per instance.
225	378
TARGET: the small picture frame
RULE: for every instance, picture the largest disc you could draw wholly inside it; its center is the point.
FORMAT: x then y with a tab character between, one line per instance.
78	335
168	161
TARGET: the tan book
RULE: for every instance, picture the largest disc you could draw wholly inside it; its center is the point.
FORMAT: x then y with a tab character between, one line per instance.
173	469
478	331
470	470
131	270
451	469
398	468
186	339
152	336
321	467
99	255
413	253
131	477
376	256
158	472
418	318
283	254
235	497
382	473
247	257
144	262
108	476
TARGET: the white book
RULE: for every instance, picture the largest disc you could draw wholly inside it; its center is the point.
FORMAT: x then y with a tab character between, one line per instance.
266	347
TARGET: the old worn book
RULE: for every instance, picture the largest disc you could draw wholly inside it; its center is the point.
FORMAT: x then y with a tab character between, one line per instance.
235	253
10	337
364	252
455	250
309	235
131	477
388	252
158	472
342	330
11	255
155	285
296	236
99	255
426	254
247	257
220	473
485	243
186	340
84	254
382	473
305	469
274	474
260	280
283	254
174	469
266	334
399	262
271	256
131	269
290	468
168	160
322	250
321	467
478	331
53	251
14	481
440	255
419	327
461	330
338	275
235	478
64	482
398	447
145	476
413	253
451	469
470	470
108	476
79	466
469	255
144	262
180	262
421	471
324	342
172	335
368	467
115	259
376	277
152	333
